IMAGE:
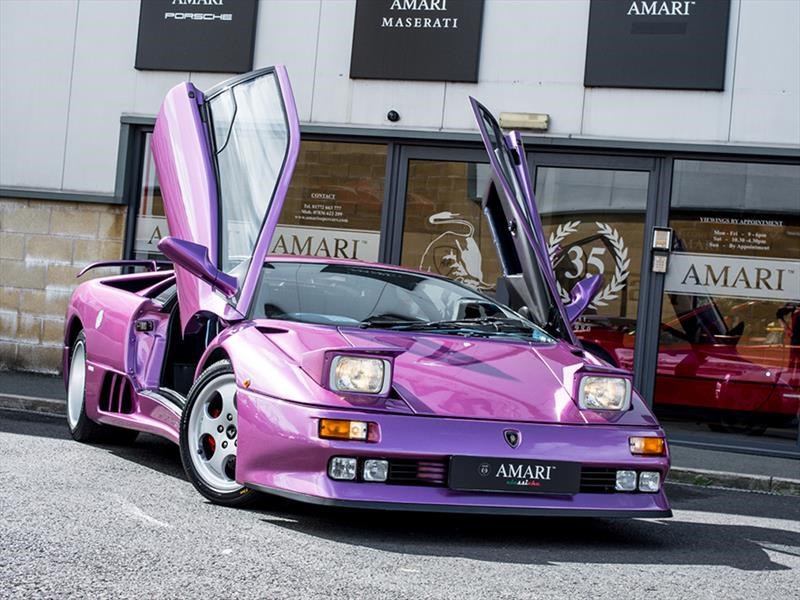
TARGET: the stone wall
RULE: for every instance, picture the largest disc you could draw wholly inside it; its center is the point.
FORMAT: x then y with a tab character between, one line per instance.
43	245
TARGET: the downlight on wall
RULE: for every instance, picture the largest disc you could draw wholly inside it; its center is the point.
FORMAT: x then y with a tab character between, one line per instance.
530	121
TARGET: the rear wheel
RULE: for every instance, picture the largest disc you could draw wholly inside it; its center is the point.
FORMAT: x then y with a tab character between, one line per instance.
81	427
209	437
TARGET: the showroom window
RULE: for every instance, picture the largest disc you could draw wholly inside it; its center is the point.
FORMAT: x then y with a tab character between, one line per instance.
444	230
729	347
151	222
593	222
332	209
594	217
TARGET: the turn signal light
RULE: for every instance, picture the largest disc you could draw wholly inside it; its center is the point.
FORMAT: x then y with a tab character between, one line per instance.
647	445
340	429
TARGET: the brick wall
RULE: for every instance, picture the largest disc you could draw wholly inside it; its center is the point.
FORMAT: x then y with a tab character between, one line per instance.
43	245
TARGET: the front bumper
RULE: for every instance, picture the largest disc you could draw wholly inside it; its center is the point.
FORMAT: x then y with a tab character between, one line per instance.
280	452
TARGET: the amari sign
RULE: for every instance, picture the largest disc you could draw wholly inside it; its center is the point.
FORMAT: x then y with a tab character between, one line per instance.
733	276
196	35
667	44
428	40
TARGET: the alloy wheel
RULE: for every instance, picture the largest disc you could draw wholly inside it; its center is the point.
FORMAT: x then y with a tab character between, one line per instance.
76	390
212	434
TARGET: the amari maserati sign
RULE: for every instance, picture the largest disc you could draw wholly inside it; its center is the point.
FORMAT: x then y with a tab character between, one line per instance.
428	40
196	35
667	44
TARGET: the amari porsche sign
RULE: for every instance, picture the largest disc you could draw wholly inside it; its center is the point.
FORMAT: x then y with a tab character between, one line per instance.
427	40
215	36
667	44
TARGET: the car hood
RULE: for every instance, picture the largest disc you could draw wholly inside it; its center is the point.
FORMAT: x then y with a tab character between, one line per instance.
475	378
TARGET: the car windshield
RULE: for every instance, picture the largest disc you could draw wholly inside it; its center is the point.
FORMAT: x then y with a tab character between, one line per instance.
375	298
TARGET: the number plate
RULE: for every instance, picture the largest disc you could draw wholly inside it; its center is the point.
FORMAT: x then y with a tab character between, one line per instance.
514	475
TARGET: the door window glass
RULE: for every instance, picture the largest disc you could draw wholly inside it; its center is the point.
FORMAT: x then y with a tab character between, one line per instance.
333	206
251	138
444	231
593	222
729	351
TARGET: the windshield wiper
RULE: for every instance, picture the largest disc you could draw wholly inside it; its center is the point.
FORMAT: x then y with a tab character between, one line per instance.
389	323
499	324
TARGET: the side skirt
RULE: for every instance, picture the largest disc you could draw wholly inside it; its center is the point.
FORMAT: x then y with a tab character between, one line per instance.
157	412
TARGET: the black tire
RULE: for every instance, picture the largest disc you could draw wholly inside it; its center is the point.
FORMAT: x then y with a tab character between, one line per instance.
80	426
197	401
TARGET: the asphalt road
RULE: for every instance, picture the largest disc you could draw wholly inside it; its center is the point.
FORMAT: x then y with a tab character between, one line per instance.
110	521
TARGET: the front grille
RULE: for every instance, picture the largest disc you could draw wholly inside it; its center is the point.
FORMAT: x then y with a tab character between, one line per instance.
418	471
433	472
598	480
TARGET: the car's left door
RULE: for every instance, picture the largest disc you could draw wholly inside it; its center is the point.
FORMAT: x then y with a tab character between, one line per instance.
224	161
510	208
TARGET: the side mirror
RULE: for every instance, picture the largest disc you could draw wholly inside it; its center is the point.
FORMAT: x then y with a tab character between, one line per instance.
194	258
582	295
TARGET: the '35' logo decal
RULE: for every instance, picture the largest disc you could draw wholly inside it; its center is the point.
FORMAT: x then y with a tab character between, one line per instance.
581	260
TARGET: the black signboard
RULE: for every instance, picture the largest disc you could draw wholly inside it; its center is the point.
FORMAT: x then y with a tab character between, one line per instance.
657	44
514	475
197	35
428	40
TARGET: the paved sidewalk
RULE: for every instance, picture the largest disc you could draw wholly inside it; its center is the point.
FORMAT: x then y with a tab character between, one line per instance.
690	465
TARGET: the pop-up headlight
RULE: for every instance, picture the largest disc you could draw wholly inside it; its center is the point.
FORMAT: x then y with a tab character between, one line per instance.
603	392
360	374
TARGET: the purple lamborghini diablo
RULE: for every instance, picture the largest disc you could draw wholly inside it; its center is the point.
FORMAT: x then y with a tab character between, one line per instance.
344	382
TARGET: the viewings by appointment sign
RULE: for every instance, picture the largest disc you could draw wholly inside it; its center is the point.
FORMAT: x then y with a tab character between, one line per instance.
428	40
197	35
733	276
667	44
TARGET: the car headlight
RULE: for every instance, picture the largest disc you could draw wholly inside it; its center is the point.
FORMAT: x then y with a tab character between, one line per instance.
604	393
360	374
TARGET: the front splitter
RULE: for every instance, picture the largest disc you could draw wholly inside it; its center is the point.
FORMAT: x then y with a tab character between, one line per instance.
455	509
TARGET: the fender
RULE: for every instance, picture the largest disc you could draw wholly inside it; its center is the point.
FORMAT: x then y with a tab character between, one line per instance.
269	371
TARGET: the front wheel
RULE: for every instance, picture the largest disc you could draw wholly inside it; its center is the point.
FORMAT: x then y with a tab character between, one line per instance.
209	437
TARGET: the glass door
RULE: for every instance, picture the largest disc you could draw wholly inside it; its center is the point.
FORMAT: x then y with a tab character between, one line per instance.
594	212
